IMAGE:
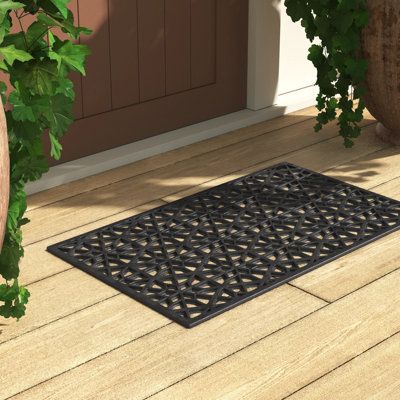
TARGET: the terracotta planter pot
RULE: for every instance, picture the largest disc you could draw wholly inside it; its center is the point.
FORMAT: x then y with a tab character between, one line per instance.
4	173
381	47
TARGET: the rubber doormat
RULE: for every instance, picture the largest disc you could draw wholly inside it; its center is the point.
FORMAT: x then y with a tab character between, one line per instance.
200	256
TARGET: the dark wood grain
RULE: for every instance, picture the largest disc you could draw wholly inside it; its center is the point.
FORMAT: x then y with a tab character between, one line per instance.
96	86
177	45
203	42
151	49
215	35
124	52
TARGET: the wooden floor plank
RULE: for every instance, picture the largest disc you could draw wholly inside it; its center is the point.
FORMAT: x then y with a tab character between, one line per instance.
55	298
61	218
354	270
373	375
72	341
270	368
100	203
319	157
38	264
391	187
162	160
297	355
371	170
153	361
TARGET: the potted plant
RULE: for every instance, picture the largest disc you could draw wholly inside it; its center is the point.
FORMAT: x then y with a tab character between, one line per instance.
355	46
38	98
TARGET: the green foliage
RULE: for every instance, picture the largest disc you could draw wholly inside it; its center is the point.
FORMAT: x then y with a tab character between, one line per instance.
338	25
38	63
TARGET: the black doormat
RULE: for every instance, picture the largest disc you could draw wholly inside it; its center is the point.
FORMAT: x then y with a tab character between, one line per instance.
200	256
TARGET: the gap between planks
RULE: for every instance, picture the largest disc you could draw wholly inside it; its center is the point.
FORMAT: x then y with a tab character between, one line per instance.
375	368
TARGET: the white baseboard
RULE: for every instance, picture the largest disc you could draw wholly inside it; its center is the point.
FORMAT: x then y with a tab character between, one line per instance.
100	162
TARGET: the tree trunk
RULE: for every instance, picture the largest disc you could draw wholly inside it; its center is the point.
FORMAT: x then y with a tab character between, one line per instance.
4	173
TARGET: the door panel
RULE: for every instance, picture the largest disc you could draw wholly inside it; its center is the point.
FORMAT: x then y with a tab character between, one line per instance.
96	86
124	53
177	45
203	42
157	65
151	49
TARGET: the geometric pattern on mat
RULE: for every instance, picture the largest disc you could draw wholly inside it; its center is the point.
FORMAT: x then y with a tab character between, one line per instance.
200	256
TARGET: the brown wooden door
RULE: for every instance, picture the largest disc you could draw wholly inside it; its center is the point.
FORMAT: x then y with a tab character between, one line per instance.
157	65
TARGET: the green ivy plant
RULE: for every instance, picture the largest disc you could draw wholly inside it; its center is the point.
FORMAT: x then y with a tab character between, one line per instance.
38	63
338	25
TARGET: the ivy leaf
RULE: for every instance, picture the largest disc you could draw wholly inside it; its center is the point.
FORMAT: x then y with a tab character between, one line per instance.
67	25
20	111
38	75
3	90
37	62
343	22
9	260
61	6
28	108
6	6
15	299
9	293
25	132
66	87
295	9
10	54
4	28
361	18
16	39
59	115
337	24
35	33
73	55
357	69
56	147
316	55
16	209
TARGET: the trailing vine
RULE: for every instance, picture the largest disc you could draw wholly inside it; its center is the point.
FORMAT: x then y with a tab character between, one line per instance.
38	102
338	25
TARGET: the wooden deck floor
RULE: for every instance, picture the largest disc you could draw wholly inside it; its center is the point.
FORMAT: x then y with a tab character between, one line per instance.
331	334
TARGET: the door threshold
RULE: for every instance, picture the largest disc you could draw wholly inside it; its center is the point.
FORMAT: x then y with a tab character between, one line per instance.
127	154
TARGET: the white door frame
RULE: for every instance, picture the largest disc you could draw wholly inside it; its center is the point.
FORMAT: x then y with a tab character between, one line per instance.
263	53
274	39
